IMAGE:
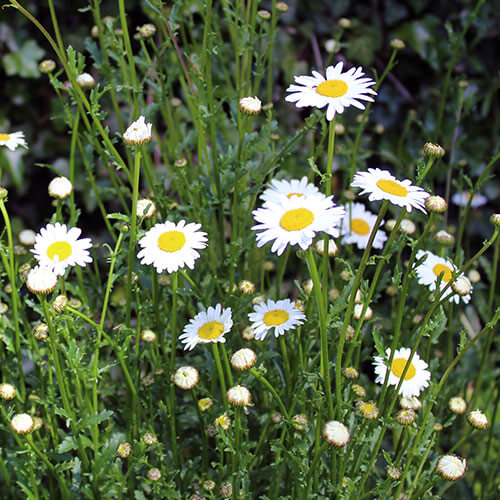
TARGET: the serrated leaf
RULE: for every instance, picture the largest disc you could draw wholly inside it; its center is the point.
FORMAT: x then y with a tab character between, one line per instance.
94	419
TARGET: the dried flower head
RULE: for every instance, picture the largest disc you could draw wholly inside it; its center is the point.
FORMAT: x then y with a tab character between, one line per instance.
209	485
41	331
299	421
124	449
186	377
368	409
393	472
154	474
149	438
226	490
243	359
350	372
205	403
359	390
406	417
246	287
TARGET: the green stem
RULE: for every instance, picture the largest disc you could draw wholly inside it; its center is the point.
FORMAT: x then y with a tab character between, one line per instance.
220	372
271	389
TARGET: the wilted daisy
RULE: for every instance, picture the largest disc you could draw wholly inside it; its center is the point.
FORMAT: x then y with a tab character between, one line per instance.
57	247
382	185
432	267
172	246
337	91
207	326
281	315
295	221
462	198
357	225
278	188
13	140
451	467
417	376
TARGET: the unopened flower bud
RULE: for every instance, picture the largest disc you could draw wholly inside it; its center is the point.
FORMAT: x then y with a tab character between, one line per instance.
444	238
433	150
47	66
398	44
477	419
85	81
60	303
436	204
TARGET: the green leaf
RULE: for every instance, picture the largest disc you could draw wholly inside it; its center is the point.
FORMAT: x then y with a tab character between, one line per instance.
97	418
24	62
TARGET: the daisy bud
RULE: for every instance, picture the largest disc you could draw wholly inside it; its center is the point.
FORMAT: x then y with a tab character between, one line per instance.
474	276
358	390
243	359
139	132
397	44
299	304
390	224
477	419
239	395
358	309
149	438
345	275
226	490
412	403
145	208
368	409
264	14
406	417
393	472
75	303
357	298
250	105
186	377
444	238
258	299
3	192
350	332
391	290
22	423
417	319
451	467
344	23
148	336
41	280
154	474
211	430
47	66
209	485
332	247
462	286
336	433
27	237
60	188
85	81
463	84
24	270
248	333
276	417
60	303
41	331
308	286
146	30
435	204
331	47
269	266
205	403
147	380
438	427
340	130
246	287
37	423
495	220
433	150
408	227
333	294
94	32
299	422
124	449
282	6
7	391
223	421
175	102
350	372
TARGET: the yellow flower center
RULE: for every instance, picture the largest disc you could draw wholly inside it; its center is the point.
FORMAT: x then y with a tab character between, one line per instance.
4	137
60	248
359	226
439	268
398	366
211	330
392	187
293	194
296	219
332	88
277	317
171	241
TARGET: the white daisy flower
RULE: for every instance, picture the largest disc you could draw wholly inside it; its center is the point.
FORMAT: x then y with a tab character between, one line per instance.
56	248
281	315
382	185
296	220
172	246
429	270
207	326
13	140
416	379
461	199
337	91
357	225
286	188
